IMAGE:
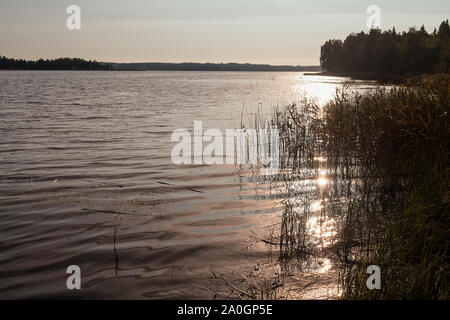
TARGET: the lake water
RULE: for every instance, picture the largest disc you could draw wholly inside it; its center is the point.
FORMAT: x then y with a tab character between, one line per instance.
86	179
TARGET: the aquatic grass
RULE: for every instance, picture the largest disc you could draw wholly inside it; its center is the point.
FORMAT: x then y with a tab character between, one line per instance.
387	153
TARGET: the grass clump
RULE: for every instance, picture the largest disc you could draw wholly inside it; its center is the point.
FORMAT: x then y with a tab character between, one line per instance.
387	153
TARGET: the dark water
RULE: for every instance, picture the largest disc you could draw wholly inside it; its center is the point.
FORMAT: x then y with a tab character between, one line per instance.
86	179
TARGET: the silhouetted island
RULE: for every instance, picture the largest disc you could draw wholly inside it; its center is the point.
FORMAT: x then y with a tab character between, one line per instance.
52	64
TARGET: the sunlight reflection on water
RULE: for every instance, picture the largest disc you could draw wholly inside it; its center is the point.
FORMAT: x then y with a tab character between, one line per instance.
101	141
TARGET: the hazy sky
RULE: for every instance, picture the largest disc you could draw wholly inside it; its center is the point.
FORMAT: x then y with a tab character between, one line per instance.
254	31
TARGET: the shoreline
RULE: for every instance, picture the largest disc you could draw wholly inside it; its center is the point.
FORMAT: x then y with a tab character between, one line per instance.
140	70
384	78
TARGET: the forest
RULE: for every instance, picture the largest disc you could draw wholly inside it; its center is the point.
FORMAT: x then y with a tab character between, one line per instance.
54	64
408	53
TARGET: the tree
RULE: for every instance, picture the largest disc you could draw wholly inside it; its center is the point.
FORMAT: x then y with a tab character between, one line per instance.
412	52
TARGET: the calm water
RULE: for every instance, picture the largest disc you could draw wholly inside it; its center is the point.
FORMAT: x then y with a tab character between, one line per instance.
78	148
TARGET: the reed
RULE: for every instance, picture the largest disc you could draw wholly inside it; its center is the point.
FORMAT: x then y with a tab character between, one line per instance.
387	162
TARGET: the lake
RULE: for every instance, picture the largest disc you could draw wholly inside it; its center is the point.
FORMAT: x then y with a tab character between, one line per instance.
86	179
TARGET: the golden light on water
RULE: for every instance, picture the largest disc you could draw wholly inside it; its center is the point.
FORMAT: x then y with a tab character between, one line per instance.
325	266
322	181
321	229
316	206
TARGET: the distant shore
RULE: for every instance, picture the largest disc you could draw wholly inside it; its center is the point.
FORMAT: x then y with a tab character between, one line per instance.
79	64
188	66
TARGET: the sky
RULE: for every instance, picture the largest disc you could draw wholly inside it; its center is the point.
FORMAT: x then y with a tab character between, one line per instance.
275	32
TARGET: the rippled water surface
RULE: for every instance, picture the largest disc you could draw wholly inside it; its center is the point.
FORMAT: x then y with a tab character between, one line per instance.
86	179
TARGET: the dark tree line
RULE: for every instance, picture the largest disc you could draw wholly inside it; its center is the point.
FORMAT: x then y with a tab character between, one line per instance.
54	64
389	52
